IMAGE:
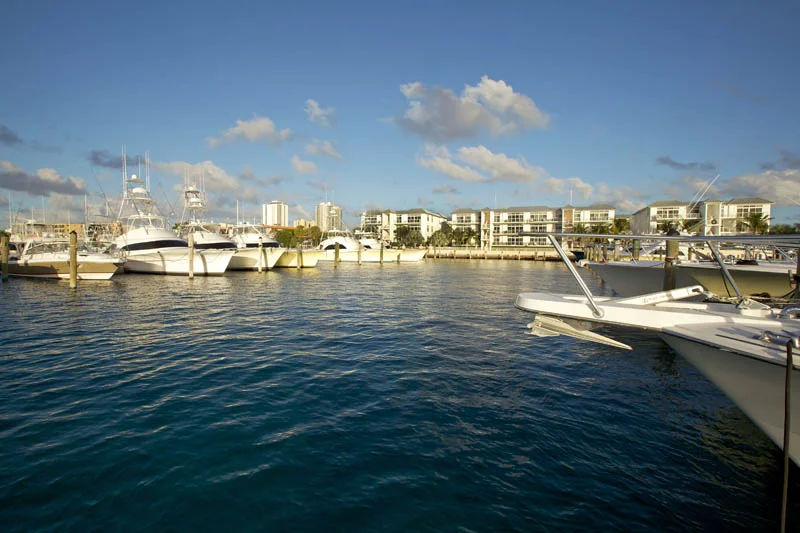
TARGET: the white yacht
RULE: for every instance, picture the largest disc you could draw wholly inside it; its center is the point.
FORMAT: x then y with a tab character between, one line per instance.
149	246
352	251
49	259
740	348
254	248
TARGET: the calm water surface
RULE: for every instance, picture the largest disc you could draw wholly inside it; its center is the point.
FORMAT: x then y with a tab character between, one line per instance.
393	398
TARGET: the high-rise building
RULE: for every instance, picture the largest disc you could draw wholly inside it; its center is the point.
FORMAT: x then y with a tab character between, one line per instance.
275	213
328	216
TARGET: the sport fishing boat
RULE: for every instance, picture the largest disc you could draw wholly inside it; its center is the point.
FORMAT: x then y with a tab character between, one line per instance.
149	246
254	248
49	259
741	347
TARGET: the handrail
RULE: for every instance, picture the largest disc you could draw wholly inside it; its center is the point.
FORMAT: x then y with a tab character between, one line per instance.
596	311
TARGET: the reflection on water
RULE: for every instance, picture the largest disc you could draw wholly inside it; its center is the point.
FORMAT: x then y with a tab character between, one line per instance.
400	397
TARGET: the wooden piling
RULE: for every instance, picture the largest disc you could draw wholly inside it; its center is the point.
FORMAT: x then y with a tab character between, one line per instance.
336	255
4	237
382	251
299	257
260	252
191	255
360	246
399	253
670	270
616	249
637	247
73	260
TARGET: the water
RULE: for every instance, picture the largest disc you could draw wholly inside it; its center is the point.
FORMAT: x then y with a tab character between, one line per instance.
392	398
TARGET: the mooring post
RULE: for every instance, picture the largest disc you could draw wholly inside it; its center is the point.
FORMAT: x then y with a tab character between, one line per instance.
381	251
399	253
616	249
4	237
336	255
637	247
299	257
191	255
793	343
260	252
360	246
73	260
670	270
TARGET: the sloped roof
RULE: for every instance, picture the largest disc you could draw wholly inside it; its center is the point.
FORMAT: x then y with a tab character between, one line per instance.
754	200
667	203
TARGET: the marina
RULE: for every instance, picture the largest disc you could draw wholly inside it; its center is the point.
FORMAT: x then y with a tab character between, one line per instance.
355	396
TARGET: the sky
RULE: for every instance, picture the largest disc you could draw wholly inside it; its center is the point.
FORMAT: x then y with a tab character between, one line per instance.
398	105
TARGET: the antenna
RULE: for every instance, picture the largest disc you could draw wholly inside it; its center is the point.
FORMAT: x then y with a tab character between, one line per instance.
147	170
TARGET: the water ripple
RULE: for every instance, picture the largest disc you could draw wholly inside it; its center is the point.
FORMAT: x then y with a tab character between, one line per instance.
401	397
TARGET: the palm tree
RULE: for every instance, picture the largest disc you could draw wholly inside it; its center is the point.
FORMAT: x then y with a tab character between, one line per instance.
756	222
621	225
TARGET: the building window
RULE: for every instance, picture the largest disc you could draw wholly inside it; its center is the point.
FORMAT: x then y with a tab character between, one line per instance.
599	216
538	217
669	213
497	217
539	241
515	217
464	219
515	229
414	219
744	211
539	228
515	241
496	229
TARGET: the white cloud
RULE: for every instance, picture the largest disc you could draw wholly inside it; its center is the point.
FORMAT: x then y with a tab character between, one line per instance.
43	181
780	186
439	159
441	115
325	148
499	166
216	179
481	164
303	167
321	115
252	130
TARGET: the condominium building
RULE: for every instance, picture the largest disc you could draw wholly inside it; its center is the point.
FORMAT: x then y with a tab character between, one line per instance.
709	217
466	219
275	213
590	217
501	227
385	223
328	216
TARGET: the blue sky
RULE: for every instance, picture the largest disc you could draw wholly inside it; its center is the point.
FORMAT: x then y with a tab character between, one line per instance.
437	104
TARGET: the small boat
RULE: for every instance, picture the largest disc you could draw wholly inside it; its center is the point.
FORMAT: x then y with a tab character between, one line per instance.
49	259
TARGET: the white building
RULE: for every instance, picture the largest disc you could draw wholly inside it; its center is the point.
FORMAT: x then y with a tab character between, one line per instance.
501	227
275	213
386	222
590	217
725	218
328	216
466	219
710	217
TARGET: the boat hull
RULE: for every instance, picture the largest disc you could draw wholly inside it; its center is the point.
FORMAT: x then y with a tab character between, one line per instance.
289	259
175	261
774	282
252	258
390	255
57	269
755	386
633	278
